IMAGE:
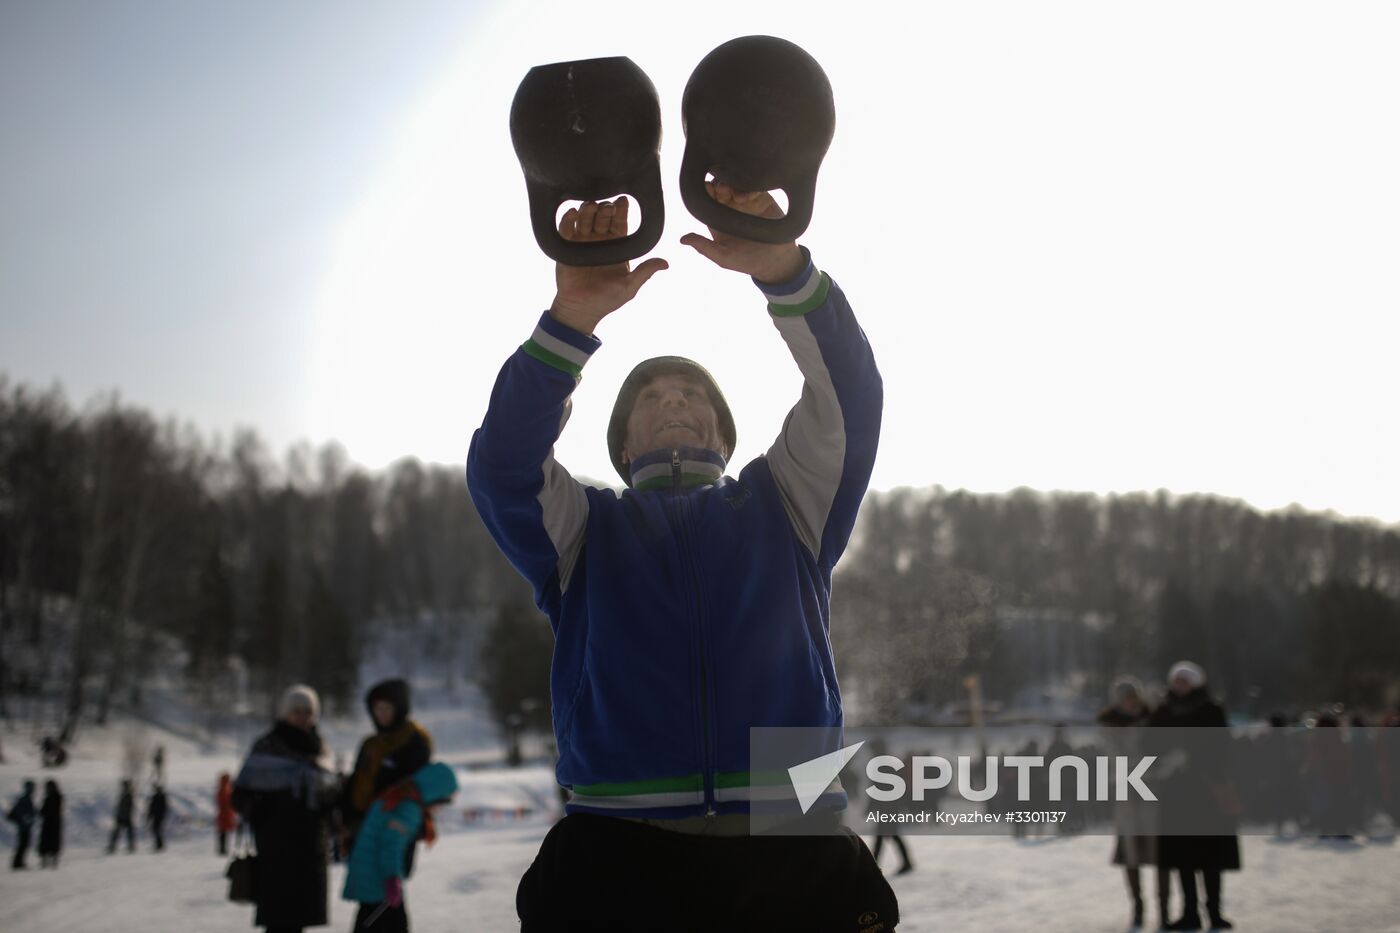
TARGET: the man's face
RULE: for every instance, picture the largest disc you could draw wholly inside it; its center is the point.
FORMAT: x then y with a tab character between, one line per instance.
672	411
1181	686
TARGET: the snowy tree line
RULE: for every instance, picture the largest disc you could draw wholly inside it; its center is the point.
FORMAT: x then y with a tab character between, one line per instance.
1287	610
121	535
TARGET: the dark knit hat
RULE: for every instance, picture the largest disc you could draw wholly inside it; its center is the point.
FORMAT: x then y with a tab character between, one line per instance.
632	386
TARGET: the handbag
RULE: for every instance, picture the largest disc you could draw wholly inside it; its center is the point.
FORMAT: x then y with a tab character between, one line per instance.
241	874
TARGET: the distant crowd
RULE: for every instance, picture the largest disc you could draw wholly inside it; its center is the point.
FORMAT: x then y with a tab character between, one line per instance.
290	811
1325	774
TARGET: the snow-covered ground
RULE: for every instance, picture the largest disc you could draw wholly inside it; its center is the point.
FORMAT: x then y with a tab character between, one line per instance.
488	838
467	882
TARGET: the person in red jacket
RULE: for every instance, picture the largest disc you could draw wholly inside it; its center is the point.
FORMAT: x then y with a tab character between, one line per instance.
226	818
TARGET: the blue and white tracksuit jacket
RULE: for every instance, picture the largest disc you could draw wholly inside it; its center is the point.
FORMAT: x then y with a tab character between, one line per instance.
693	605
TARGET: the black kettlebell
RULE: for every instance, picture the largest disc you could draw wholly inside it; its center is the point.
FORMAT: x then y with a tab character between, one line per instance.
757	114
589	130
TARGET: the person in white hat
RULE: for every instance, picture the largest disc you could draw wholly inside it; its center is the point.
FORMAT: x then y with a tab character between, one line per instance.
1202	785
285	793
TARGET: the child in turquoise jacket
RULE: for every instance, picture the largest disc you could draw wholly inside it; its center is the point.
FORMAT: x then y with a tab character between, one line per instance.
375	873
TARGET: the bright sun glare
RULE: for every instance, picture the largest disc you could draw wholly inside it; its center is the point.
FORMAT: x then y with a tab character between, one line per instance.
1094	247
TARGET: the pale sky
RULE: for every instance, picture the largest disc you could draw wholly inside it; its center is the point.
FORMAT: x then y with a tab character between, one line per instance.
1102	246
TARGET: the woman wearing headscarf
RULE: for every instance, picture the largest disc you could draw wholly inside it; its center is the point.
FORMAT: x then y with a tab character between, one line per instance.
285	792
1198	792
1136	844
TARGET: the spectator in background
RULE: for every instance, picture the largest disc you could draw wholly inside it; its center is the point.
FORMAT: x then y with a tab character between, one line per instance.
50	826
225	817
395	821
1276	789
1388	764
285	792
1136	845
122	820
157	807
890	831
1198	794
158	765
398	749
1039	792
1330	781
52	753
22	814
1059	747
1366	771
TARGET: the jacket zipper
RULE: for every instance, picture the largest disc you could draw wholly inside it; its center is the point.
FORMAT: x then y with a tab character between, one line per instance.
683	513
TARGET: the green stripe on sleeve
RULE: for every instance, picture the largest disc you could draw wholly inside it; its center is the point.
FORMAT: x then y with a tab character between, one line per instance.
810	303
533	349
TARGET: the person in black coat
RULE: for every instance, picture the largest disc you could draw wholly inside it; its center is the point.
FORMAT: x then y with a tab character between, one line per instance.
126	807
22	815
285	792
1197	792
890	831
50	826
156	809
397	750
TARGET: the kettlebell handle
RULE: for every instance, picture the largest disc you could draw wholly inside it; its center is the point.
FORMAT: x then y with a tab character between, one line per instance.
646	196
713	214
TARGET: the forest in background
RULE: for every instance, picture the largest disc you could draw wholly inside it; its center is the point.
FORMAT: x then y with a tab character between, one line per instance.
120	533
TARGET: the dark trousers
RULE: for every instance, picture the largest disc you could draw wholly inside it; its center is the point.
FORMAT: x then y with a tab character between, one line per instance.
1164	889
371	919
130	837
1210	878
158	832
600	872
223	843
21	847
898	842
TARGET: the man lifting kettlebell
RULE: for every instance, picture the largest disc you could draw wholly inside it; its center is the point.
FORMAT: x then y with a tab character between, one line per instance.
693	605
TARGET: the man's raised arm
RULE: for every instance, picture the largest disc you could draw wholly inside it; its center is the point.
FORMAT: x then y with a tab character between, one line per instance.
534	509
823	458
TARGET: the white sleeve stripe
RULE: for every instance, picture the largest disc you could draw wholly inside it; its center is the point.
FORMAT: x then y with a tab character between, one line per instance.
802	294
559	348
808	457
564	509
